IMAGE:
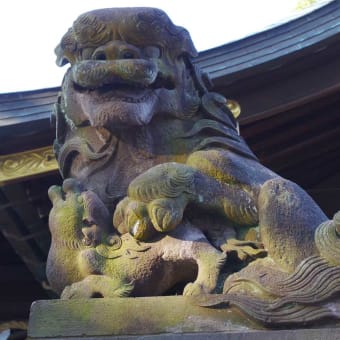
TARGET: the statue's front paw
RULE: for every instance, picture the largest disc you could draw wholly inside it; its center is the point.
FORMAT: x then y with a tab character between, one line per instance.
156	198
142	220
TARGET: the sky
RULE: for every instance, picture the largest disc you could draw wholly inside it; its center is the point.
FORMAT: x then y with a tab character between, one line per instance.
30	30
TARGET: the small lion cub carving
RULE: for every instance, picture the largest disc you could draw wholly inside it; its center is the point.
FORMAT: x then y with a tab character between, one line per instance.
88	259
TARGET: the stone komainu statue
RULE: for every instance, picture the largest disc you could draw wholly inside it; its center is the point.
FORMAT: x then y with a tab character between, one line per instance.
160	187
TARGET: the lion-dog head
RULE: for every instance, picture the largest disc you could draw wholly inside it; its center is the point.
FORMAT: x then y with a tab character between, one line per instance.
133	63
132	98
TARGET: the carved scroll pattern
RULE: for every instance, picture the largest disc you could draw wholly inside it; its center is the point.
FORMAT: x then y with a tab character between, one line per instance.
22	165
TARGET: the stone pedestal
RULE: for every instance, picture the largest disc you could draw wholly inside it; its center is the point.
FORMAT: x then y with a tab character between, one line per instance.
166	317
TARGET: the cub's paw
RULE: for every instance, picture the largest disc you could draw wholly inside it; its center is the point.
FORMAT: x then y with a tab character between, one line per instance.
244	250
97	286
196	288
77	291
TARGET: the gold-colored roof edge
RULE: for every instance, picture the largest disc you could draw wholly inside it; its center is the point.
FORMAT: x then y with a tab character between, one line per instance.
24	165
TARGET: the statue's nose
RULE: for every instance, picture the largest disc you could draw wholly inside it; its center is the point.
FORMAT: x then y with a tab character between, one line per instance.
115	63
115	50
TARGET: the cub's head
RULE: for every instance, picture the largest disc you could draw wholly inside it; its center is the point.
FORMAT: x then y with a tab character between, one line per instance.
77	215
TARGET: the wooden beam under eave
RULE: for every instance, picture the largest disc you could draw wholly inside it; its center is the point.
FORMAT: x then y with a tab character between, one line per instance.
25	165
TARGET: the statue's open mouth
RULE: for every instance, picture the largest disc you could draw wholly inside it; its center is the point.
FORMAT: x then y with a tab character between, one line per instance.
128	80
117	94
122	93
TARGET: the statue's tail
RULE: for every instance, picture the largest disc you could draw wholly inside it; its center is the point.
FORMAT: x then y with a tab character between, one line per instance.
310	294
294	315
327	240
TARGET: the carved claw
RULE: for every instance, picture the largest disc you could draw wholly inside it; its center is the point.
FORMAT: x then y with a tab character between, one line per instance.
132	216
165	214
142	229
245	250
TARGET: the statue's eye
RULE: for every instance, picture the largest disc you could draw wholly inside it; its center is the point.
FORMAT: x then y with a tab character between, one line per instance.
128	55
100	56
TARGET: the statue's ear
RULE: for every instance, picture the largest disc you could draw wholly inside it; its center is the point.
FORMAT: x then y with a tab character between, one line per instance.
61	60
54	193
202	81
64	57
71	185
66	49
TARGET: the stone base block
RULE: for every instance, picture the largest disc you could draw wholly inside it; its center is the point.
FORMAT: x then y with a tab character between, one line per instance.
165	317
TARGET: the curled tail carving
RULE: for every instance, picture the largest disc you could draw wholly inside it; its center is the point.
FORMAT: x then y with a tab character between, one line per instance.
309	294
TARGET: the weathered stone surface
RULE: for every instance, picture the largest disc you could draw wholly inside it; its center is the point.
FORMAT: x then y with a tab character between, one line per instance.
129	316
300	334
168	317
